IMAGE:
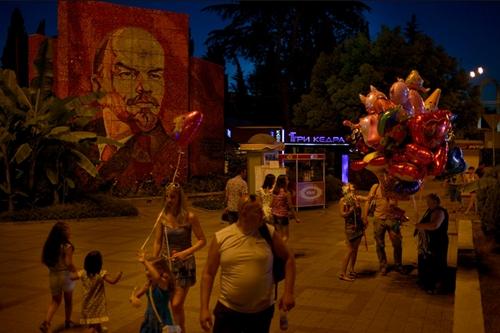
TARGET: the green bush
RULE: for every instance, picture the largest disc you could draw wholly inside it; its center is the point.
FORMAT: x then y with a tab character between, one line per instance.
98	205
211	203
488	199
204	184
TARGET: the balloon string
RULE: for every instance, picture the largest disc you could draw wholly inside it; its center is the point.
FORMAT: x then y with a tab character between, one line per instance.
154	227
179	154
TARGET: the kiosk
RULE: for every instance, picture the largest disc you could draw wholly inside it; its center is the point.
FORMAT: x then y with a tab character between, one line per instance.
262	158
307	178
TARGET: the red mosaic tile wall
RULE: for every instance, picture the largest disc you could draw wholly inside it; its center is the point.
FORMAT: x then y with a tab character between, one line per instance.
206	154
84	27
34	42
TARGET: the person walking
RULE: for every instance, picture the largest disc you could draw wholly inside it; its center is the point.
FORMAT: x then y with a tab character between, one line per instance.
236	188
384	221
173	241
432	233
57	255
265	195
94	311
350	210
245	303
282	207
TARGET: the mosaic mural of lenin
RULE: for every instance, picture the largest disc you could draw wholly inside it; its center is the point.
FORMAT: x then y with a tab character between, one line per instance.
128	67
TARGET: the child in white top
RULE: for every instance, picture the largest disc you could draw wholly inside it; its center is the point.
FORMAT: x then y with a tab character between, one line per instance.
94	311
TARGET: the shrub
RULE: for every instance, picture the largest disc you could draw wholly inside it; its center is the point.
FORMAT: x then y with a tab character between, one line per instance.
211	203
204	184
98	205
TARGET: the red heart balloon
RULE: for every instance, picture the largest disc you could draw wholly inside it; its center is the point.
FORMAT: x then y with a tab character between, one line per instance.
186	126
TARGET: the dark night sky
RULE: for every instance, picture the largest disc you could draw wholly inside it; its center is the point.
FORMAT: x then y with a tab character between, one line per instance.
468	30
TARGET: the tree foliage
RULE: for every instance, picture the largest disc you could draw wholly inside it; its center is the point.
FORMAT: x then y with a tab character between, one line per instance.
15	52
340	76
40	138
283	40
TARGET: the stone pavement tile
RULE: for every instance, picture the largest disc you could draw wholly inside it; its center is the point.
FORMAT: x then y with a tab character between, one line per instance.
324	303
377	325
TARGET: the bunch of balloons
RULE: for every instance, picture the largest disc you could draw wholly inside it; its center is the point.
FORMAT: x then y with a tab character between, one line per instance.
404	138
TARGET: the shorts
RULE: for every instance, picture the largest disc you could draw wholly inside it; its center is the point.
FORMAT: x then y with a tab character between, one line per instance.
60	281
281	220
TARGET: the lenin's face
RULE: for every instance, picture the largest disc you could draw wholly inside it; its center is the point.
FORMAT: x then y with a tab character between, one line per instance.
132	68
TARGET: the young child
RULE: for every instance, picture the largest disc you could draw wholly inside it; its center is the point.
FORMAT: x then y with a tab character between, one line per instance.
158	289
57	255
94	311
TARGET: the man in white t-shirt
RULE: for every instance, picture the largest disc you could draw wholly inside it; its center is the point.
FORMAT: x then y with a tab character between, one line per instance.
246	300
236	188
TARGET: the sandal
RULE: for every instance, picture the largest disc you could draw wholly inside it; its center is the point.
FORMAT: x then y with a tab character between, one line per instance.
345	278
353	274
44	326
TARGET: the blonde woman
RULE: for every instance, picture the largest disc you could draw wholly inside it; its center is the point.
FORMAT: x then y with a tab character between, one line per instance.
173	241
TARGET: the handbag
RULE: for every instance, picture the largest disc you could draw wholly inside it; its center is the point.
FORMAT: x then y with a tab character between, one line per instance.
225	217
165	328
278	262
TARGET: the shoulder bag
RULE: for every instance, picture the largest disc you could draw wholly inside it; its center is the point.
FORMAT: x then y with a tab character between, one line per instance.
165	328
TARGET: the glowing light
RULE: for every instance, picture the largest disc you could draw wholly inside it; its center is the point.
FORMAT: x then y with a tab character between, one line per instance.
480	70
345	168
472	74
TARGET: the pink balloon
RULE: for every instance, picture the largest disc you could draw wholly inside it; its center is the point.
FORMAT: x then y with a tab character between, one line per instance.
368	126
399	92
186	126
416	101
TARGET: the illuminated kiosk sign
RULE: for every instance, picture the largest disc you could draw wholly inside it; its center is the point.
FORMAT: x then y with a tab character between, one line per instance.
310	140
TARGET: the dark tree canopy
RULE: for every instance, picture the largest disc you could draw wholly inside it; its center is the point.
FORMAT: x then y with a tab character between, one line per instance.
15	52
283	40
340	76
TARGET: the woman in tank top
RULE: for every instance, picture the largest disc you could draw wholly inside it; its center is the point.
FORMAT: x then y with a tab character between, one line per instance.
173	241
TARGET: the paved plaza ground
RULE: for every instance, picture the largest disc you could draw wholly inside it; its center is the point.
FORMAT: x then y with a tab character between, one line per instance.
372	303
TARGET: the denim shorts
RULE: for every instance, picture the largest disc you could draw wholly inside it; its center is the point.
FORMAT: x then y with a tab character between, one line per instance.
60	281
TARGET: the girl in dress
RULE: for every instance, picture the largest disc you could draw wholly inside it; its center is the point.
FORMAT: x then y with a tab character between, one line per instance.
173	242
282	207
94	311
158	288
350	210
57	255
265	194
